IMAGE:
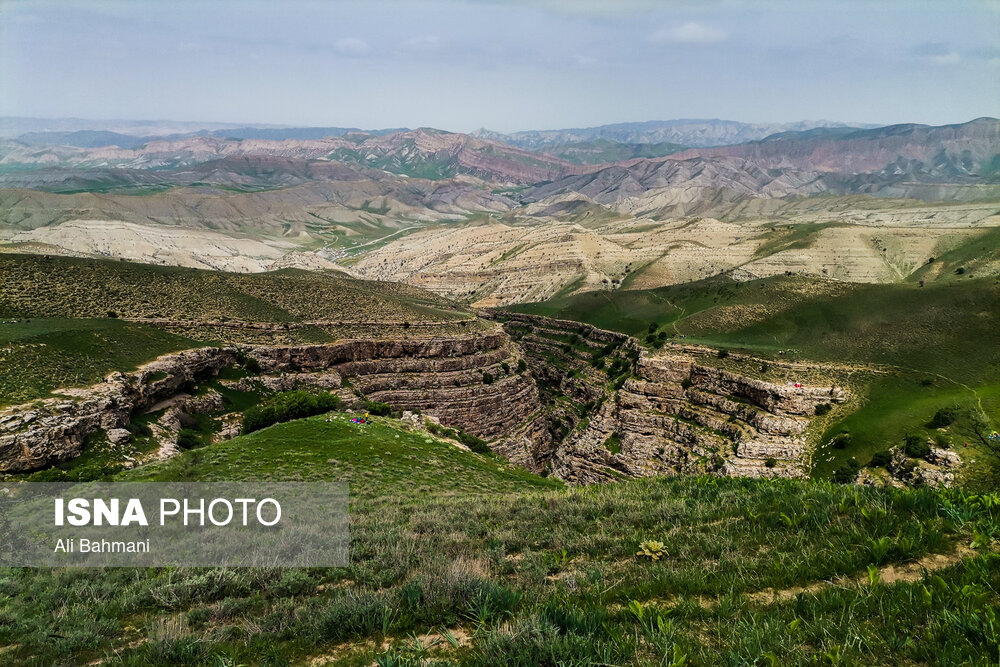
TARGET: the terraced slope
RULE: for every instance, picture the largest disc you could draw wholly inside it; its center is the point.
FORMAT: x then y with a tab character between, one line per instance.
68	322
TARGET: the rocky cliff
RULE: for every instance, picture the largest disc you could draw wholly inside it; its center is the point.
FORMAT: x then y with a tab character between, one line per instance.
616	411
465	381
555	397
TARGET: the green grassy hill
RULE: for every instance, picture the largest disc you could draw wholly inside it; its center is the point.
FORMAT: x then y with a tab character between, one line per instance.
459	559
61	318
36	286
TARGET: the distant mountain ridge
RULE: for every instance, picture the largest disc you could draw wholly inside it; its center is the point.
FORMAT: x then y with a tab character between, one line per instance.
944	151
694	132
966	153
100	138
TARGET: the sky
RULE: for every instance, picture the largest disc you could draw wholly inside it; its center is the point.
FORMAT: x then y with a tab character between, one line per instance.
465	64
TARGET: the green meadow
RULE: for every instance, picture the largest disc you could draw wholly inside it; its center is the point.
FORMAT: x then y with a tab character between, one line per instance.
461	559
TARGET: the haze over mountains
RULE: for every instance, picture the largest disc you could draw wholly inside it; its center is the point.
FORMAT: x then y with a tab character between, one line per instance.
493	218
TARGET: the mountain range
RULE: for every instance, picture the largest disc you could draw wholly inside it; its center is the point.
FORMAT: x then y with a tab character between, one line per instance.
489	222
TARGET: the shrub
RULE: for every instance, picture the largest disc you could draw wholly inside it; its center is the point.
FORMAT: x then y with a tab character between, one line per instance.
943	417
823	408
477	445
771	462
506	367
188	439
916	446
250	364
847	473
686	383
880	460
652	327
960	270
286	406
488	377
521	366
841	440
378	409
723	354
140	429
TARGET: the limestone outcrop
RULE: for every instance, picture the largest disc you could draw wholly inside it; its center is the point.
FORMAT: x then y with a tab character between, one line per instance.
42	433
658	414
564	398
464	381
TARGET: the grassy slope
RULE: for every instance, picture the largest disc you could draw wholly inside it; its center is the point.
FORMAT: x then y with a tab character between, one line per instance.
375	459
33	286
538	574
940	344
72	338
40	355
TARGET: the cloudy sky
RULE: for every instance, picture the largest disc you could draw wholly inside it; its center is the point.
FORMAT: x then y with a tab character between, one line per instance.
464	64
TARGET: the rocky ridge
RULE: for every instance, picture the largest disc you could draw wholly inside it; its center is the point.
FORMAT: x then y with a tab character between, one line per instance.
564	398
463	381
665	414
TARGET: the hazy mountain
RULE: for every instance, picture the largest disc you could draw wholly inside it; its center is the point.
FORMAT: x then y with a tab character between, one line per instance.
418	153
14	126
946	151
688	132
99	138
600	151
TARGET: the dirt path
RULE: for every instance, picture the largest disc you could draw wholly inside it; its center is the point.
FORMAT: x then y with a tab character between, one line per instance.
888	574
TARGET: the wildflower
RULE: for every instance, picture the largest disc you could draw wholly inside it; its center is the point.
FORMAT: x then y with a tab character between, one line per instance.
652	549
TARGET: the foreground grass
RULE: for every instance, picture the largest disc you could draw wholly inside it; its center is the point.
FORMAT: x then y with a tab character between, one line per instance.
461	559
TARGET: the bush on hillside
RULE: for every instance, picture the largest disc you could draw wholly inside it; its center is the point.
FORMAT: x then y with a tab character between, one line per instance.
943	417
841	441
848	472
880	460
916	446
378	409
286	406
822	409
188	439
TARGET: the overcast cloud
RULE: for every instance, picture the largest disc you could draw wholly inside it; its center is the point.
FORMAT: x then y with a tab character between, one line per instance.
508	66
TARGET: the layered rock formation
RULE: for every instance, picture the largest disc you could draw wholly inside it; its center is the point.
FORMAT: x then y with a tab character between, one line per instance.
659	414
463	381
565	398
40	434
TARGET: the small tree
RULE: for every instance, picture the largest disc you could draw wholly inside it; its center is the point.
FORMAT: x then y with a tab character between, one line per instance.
943	417
916	446
973	424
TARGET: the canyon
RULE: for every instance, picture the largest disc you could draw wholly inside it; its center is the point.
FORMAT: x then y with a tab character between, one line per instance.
554	397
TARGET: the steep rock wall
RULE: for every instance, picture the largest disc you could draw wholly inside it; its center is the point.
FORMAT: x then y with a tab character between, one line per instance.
666	414
467	381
